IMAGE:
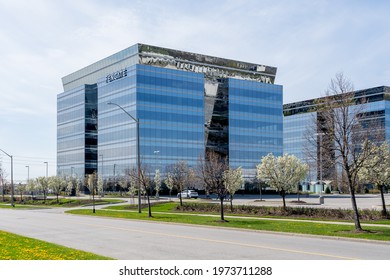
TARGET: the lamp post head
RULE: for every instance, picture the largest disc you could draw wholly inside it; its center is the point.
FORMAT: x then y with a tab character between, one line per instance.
127	113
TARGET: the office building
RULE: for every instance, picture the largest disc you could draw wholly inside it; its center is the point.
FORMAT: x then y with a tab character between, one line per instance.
186	104
302	118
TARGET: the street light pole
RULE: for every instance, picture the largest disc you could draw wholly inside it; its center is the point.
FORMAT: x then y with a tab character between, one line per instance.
101	176
12	178
138	153
321	198
47	168
28	173
114	178
157	162
28	179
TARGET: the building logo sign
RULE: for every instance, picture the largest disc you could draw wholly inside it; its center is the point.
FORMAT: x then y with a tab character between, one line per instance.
116	75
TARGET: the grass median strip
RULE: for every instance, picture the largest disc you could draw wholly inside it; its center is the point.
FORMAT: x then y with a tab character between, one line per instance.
171	207
372	233
16	247
62	202
16	206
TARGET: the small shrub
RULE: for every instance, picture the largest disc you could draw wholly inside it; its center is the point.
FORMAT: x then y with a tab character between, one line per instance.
375	191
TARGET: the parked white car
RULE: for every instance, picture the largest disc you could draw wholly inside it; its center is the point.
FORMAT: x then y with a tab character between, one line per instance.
188	194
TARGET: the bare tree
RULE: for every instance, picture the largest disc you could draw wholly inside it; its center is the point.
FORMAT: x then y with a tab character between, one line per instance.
179	174
91	182
343	127
211	170
144	182
2	180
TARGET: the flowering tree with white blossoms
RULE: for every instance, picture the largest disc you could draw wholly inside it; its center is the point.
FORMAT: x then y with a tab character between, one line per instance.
43	184
169	183
57	184
100	186
157	182
78	187
376	170
70	186
283	173
233	180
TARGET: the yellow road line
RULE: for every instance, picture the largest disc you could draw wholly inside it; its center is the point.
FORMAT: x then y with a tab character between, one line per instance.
223	242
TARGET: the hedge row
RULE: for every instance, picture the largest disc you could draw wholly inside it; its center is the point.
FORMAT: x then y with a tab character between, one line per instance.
298	212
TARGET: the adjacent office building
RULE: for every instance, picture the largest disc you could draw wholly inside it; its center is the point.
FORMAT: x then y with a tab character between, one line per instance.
186	104
302	118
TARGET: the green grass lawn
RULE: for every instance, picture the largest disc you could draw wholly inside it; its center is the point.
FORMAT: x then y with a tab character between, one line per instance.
16	206
63	202
170	207
158	207
16	247
373	233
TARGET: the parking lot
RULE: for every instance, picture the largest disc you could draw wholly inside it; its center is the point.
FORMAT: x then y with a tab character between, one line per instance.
364	201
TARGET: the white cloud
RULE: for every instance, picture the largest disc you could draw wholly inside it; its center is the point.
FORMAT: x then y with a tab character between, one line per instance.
309	41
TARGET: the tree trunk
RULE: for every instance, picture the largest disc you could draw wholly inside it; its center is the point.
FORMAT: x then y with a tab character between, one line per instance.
222	214
181	200
57	198
231	203
356	215
149	206
261	193
93	199
283	194
384	211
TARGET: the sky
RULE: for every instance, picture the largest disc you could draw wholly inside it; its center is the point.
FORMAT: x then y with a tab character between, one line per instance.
42	41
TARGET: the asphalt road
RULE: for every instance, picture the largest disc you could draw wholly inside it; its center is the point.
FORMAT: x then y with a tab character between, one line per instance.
126	239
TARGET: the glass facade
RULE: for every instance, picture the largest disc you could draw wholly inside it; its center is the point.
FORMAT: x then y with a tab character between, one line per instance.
387	118
169	106
301	117
186	104
295	140
255	123
77	131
